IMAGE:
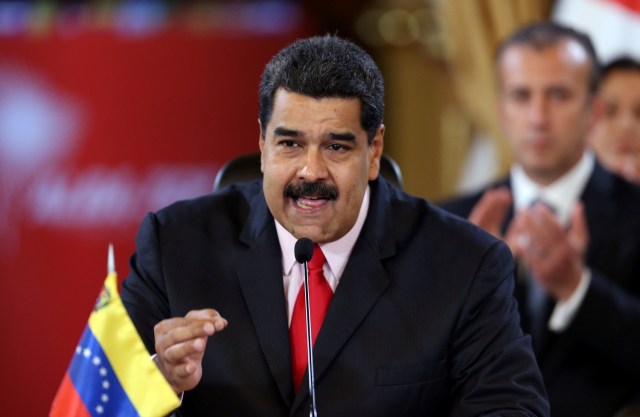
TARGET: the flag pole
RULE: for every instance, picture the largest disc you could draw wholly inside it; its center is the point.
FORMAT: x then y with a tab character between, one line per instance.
111	262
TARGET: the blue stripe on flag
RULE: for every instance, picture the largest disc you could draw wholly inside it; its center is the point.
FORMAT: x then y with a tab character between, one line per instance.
96	382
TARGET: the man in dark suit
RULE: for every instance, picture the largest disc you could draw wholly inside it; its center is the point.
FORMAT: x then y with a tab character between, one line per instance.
422	319
573	226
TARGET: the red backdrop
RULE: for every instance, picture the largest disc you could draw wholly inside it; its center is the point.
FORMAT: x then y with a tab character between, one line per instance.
96	129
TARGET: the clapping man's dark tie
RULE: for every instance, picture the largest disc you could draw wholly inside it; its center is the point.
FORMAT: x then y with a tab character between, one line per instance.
537	302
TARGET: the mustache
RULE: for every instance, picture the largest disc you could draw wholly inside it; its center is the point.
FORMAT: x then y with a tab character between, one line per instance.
316	189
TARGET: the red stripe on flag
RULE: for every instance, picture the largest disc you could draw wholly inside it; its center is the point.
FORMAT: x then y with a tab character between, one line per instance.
67	402
631	5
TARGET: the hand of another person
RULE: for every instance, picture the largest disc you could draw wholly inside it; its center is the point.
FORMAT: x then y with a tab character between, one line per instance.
629	168
554	255
180	344
490	212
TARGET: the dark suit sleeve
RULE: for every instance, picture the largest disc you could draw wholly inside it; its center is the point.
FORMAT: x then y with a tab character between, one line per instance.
492	361
609	322
143	291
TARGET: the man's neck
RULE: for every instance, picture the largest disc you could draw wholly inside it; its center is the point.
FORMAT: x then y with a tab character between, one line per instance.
562	192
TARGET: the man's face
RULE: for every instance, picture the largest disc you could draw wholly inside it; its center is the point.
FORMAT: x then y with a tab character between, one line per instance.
617	133
545	107
317	163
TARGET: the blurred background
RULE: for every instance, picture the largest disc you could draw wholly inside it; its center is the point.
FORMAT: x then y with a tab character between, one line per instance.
110	109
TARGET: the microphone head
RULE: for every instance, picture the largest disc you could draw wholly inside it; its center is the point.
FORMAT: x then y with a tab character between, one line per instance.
303	250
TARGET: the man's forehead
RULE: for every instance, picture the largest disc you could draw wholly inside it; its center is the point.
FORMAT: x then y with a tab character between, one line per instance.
297	111
575	51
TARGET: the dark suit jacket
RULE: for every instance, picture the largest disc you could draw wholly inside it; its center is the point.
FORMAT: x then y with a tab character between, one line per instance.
593	368
423	322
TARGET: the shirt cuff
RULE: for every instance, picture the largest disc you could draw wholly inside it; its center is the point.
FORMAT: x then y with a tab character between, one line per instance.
565	311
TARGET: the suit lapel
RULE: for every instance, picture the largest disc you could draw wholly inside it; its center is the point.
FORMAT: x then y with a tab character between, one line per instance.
260	276
362	284
509	217
599	210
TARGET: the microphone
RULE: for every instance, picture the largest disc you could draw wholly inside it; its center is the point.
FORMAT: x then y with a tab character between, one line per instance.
303	251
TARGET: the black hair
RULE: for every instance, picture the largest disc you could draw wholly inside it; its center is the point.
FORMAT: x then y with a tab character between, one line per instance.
325	66
622	63
540	35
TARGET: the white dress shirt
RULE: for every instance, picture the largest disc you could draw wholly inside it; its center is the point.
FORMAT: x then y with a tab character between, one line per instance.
337	254
562	195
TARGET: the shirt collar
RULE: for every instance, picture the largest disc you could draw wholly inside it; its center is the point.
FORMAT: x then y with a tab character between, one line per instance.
336	252
562	194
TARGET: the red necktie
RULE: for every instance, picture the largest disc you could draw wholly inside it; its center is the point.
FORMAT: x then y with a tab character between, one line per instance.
319	297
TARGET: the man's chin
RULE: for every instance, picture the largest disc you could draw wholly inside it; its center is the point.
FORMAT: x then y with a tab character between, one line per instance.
314	233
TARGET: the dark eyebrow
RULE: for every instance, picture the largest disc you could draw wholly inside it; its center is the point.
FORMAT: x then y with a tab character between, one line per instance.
283	131
349	137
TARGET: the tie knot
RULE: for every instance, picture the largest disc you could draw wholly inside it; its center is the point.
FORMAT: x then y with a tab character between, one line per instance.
318	259
539	200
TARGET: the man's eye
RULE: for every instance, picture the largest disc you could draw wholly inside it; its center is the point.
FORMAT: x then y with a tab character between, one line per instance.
288	143
520	96
338	147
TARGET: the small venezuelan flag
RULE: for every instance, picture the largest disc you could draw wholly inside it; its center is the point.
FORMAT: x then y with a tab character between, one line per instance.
111	372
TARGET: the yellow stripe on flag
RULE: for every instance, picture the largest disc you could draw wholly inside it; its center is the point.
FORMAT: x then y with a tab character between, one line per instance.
144	384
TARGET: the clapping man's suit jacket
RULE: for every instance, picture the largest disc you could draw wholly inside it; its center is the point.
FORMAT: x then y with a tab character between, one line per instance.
422	323
592	369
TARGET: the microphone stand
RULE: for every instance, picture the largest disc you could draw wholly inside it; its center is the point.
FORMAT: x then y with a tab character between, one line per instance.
312	381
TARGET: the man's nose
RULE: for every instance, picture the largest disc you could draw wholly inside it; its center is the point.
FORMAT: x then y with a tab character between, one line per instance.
539	111
314	166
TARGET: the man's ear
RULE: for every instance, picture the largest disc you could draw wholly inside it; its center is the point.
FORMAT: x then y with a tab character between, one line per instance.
499	110
261	146
376	148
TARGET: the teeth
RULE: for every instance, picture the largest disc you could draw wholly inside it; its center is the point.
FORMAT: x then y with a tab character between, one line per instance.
309	202
299	203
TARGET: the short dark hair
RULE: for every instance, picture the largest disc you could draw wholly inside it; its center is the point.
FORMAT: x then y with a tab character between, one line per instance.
540	35
325	66
622	63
